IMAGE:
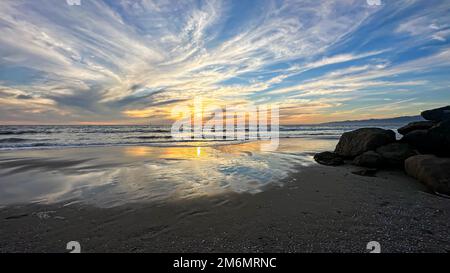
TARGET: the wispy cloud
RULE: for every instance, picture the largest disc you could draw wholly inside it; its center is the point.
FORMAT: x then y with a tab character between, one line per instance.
129	61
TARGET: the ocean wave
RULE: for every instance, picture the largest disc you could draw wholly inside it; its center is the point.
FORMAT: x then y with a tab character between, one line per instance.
26	132
15	137
99	131
82	131
149	137
13	140
180	143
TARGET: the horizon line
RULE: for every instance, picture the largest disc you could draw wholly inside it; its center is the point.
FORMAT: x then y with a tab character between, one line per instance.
299	124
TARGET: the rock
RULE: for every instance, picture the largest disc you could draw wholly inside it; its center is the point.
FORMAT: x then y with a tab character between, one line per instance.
433	141
439	136
329	159
413	126
356	142
369	159
438	114
419	140
366	172
395	154
431	171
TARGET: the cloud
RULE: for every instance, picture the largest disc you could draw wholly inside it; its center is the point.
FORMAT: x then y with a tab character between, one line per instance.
129	61
432	23
24	97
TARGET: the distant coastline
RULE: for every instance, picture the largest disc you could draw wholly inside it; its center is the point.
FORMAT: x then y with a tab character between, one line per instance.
400	120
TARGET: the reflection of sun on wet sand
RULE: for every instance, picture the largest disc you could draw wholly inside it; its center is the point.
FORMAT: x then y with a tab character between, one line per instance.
109	176
193	151
210	198
167	152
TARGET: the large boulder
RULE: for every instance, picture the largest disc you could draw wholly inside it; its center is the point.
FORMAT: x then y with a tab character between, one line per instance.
439	135
329	159
369	159
438	114
356	142
433	141
430	170
395	154
419	139
413	126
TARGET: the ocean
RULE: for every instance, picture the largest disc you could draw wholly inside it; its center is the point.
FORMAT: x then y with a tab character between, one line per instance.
59	136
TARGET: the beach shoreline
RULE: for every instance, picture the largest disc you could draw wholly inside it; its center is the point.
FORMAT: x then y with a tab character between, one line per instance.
315	209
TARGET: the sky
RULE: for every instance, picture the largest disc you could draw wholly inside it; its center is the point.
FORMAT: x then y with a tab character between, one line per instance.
132	61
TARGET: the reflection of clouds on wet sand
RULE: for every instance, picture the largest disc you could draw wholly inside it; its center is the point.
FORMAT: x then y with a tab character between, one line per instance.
118	175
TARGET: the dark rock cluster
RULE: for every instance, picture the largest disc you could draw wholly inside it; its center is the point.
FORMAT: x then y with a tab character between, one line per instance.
423	151
432	136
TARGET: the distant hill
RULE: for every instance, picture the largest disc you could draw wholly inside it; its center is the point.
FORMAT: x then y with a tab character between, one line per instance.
397	120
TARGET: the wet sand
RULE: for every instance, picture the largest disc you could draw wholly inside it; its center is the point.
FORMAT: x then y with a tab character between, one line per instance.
313	209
